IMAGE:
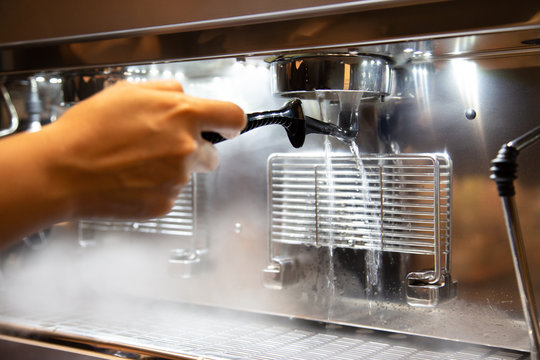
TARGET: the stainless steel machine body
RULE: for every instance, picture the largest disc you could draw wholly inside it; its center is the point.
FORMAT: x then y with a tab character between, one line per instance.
400	230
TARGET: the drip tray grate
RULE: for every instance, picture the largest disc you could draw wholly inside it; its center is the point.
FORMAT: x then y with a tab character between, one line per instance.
180	221
183	331
397	203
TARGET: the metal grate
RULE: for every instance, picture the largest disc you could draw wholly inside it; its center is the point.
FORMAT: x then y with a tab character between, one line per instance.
389	202
214	334
179	221
399	203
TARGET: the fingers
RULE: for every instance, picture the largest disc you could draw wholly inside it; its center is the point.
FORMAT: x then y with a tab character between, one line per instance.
206	157
223	117
163	85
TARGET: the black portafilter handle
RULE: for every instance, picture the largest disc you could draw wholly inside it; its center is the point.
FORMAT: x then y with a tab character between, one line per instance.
292	118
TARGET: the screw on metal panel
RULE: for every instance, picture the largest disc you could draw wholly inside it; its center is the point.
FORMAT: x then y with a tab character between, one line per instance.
238	228
470	114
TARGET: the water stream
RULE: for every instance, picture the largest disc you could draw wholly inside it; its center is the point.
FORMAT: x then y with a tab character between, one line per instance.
371	200
372	240
330	189
374	243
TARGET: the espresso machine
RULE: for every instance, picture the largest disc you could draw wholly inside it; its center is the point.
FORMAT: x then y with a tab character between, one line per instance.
354	218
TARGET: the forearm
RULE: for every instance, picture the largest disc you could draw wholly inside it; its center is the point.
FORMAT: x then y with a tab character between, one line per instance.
30	197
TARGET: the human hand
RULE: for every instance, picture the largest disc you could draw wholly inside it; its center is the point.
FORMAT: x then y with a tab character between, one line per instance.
127	151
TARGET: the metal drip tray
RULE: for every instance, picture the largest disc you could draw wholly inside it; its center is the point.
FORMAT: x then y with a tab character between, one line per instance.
127	329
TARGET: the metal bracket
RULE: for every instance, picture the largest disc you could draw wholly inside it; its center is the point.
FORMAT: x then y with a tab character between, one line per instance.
281	273
184	263
421	291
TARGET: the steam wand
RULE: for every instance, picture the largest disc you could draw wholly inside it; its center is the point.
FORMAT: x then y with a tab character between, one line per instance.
503	173
292	118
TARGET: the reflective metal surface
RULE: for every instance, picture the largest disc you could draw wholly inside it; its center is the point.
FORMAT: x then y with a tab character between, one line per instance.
522	274
13	117
307	76
452	26
51	21
189	332
425	113
462	85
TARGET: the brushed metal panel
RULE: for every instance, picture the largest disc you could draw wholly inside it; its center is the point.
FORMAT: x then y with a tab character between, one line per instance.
345	29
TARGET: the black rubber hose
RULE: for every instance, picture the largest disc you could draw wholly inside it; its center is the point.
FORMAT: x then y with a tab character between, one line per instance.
503	170
254	121
504	166
291	117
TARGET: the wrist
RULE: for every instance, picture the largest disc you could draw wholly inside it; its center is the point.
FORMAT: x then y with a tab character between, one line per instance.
62	194
33	199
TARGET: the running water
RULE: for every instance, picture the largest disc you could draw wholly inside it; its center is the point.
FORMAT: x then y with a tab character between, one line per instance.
330	190
374	242
370	219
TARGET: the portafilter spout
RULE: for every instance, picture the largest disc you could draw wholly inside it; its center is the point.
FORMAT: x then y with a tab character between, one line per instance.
330	79
296	124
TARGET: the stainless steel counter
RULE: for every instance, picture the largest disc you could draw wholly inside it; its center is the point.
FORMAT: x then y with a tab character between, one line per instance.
173	331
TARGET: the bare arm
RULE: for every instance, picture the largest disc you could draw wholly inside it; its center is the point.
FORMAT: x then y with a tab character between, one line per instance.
124	153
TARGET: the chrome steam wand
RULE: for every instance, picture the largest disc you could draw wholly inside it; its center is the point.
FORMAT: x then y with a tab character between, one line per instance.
503	173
